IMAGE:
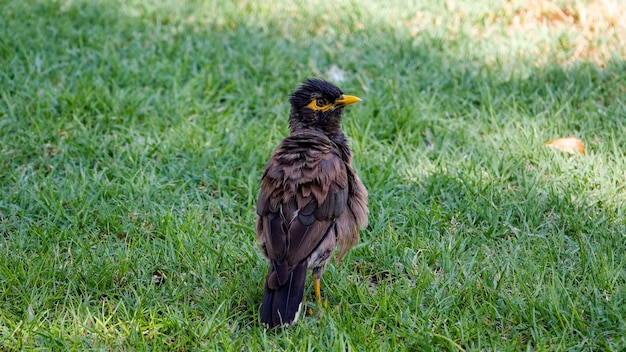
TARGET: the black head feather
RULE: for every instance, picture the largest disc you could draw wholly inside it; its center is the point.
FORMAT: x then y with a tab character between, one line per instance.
314	88
316	91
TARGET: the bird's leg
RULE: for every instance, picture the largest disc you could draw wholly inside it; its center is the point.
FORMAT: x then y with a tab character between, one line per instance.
316	287
318	291
318	294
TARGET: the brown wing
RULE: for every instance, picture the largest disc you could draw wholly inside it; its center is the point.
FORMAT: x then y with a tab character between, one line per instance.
355	216
304	189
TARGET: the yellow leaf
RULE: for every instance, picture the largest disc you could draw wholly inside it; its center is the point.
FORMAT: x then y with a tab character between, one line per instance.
569	145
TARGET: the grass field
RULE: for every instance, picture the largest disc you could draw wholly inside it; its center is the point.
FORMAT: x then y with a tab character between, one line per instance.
133	135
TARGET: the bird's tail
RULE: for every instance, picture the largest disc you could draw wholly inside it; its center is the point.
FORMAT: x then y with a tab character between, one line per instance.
281	306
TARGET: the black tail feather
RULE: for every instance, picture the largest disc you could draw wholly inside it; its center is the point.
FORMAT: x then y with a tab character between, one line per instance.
282	306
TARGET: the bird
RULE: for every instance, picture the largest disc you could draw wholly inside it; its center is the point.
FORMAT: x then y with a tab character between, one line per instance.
310	202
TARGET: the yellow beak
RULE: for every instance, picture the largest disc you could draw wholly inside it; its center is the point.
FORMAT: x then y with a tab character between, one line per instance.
347	100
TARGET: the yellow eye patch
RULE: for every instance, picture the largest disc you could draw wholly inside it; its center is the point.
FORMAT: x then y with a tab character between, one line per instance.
313	106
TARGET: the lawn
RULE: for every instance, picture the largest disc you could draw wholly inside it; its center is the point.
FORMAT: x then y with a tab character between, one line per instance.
133	135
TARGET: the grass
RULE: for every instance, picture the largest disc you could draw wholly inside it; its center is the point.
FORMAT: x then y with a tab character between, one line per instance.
133	135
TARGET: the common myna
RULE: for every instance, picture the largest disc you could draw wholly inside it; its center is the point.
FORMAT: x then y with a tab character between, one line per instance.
310	201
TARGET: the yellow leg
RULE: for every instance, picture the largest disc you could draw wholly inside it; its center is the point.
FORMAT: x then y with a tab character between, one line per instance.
318	293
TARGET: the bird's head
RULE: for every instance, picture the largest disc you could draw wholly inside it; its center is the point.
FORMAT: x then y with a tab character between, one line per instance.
318	104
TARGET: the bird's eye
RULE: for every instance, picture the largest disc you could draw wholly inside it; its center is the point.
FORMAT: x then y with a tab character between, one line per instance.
320	102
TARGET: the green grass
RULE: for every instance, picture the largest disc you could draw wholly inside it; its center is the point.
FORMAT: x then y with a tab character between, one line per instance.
133	135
